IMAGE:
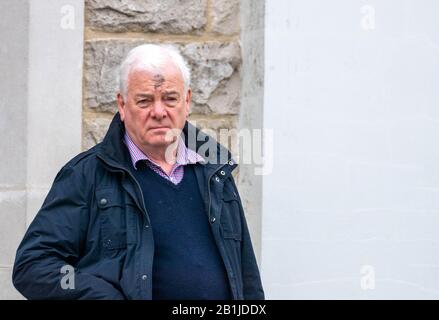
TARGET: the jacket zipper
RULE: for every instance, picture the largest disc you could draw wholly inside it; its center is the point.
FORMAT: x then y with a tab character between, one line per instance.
208	189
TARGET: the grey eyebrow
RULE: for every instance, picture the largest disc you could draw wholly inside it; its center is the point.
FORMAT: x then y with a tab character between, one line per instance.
144	95
171	93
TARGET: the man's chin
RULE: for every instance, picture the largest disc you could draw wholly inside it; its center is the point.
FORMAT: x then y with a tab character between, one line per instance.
160	141
160	137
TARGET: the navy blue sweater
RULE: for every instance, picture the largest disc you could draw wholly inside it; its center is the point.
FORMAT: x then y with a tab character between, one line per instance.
187	263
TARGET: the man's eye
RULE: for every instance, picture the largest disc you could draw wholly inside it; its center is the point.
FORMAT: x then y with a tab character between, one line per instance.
171	101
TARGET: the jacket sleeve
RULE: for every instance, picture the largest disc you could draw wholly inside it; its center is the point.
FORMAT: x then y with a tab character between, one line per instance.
53	240
250	272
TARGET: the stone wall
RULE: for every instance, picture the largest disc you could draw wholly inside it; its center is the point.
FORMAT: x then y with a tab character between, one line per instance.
207	34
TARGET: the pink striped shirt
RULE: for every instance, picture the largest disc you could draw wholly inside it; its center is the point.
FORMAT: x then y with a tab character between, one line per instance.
185	156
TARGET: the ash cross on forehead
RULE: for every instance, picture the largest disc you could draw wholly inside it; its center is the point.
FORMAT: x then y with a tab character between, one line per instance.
158	79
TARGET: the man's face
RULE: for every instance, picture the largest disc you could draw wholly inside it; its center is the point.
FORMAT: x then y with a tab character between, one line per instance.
155	103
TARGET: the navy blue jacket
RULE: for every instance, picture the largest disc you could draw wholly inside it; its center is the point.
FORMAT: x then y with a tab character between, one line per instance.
95	221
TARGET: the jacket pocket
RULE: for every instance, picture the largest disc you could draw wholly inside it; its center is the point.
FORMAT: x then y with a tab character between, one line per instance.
112	214
230	218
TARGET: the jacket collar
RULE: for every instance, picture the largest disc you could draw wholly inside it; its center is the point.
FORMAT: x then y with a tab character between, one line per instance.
115	153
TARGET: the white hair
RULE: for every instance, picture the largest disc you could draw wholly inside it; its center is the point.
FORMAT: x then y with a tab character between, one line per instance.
152	57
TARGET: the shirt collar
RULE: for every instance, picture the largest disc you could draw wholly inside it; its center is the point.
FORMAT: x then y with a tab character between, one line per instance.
185	155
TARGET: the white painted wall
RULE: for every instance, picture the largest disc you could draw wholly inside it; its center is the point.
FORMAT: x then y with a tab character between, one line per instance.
41	101
251	110
13	122
355	186
55	93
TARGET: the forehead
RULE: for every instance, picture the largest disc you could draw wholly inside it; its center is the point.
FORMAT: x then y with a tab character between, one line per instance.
168	76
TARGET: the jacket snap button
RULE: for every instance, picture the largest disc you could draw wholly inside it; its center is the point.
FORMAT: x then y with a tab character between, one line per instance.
213	219
103	202
231	162
222	173
146	226
217	179
144	277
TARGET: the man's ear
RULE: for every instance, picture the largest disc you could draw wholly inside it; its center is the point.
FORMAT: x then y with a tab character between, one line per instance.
121	106
188	101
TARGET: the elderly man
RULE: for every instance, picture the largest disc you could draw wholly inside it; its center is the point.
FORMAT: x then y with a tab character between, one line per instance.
145	214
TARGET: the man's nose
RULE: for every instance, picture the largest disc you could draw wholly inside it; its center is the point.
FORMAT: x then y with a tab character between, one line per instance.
158	110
